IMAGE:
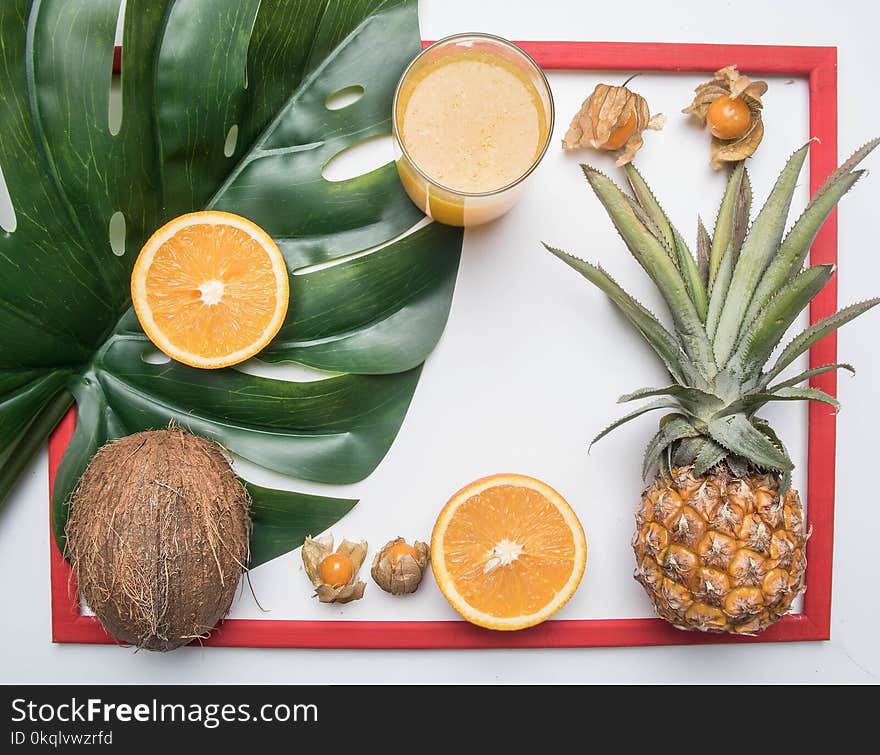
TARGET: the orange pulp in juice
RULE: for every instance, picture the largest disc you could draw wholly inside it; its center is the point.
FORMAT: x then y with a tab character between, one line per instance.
472	122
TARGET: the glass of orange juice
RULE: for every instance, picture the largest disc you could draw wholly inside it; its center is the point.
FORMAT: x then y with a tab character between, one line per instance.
473	115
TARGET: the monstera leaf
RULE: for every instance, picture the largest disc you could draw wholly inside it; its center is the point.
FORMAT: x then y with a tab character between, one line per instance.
224	105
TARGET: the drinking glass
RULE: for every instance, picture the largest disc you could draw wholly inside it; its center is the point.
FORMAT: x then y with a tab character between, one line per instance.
451	206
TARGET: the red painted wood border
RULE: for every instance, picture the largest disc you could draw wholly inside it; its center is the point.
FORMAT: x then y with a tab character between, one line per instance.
819	64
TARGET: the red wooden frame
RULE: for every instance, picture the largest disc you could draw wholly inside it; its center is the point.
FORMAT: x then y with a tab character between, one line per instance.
819	64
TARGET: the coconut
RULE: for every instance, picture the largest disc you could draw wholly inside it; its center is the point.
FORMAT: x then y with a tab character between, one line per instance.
158	537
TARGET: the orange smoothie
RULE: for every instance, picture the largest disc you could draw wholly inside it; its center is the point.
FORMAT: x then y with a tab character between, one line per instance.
471	122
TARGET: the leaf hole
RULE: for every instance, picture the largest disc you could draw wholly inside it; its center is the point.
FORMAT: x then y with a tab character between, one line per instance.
7	213
231	141
117	233
114	101
344	97
120	22
359	159
154	356
298	373
114	107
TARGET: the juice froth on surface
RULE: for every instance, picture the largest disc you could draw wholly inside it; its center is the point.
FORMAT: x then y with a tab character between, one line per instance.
472	121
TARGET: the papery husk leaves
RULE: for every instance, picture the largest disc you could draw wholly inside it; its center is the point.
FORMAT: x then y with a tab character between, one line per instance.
723	152
344	594
315	550
729	82
607	109
726	81
402	577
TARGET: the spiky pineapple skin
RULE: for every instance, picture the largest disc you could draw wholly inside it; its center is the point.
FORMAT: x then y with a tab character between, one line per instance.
720	553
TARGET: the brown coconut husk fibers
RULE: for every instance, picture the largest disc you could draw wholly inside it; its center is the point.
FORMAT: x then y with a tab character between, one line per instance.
158	537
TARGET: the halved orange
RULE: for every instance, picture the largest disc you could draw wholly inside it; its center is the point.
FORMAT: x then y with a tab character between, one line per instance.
508	552
210	289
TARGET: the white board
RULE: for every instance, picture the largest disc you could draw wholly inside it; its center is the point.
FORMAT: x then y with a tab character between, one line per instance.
533	360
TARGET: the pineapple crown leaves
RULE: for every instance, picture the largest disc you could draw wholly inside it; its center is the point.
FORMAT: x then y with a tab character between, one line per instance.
666	346
730	307
651	254
731	226
704	246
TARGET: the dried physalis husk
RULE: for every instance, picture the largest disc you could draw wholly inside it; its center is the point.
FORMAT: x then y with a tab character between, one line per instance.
400	573
612	118
731	83
314	551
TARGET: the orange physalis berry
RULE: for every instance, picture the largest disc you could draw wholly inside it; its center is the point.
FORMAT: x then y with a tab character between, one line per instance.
621	134
336	570
401	549
728	118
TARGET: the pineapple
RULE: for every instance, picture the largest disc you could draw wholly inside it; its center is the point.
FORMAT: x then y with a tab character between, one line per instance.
720	534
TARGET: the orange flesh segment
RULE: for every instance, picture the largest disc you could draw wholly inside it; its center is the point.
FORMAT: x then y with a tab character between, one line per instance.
199	264
519	516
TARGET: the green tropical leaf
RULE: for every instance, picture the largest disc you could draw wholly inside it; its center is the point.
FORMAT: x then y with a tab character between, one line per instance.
815	333
750	404
22	450
691	274
661	340
693	401
660	403
737	434
224	105
733	222
653	216
797	243
755	291
647	221
710	454
669	237
794	250
374	314
847	165
765	428
20	403
704	248
738	466
759	246
780	312
646	199
722	237
792	393
676	427
807	374
334	431
95	425
686	450
720	286
281	520
743	212
656	261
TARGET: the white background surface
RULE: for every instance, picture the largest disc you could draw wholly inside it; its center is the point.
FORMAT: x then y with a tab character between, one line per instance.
533	360
520	403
